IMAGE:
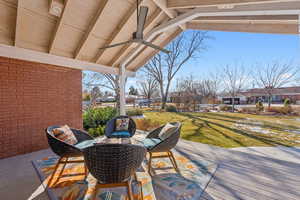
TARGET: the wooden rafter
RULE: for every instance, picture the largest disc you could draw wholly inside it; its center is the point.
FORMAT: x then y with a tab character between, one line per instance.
299	24
162	4
17	32
251	26
152	19
171	4
247	17
131	13
59	25
90	29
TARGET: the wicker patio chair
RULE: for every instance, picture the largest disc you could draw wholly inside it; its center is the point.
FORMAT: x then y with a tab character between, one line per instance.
110	128
65	150
164	146
116	166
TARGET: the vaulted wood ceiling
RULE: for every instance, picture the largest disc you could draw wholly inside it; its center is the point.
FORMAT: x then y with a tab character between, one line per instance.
78	28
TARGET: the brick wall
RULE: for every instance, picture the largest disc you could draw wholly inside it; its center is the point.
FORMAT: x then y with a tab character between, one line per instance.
34	96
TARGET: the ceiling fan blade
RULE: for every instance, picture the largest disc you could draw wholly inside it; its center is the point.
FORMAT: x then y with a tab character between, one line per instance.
118	44
156	47
141	21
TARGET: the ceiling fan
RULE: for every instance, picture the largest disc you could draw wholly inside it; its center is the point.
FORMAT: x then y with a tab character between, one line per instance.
137	37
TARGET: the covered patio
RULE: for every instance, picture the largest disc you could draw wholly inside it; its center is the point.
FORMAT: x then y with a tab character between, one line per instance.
45	45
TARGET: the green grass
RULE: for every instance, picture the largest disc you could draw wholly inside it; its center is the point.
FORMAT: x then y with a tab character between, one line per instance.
234	129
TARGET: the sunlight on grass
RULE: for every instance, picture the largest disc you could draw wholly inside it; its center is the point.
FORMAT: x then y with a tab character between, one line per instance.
234	129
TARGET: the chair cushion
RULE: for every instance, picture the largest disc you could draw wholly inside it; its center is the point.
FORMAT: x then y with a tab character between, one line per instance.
149	143
65	134
166	131
122	124
85	144
121	134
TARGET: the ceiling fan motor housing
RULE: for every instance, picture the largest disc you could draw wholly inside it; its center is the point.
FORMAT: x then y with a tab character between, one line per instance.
135	36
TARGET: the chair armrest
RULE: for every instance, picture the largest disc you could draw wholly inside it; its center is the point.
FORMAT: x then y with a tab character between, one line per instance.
62	148
154	133
81	135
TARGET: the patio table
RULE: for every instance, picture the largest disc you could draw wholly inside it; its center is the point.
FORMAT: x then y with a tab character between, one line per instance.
136	139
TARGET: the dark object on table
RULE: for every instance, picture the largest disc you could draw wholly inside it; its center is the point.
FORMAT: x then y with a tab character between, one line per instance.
155	143
120	127
65	150
116	166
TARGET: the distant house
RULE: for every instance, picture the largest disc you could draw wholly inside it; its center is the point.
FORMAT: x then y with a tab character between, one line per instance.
256	94
227	99
279	95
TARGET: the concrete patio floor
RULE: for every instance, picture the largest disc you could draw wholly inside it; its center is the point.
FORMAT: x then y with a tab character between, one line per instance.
243	173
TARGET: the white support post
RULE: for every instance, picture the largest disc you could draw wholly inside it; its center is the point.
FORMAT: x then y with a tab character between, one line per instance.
122	82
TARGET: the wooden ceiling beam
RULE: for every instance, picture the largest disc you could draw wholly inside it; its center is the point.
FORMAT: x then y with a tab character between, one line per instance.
131	13
90	30
175	4
246	26
59	25
125	49
299	24
259	17
162	4
17	31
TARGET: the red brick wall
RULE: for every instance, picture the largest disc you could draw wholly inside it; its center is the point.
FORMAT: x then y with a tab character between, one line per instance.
34	96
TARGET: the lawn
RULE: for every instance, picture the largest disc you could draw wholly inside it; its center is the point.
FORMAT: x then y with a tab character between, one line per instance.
234	129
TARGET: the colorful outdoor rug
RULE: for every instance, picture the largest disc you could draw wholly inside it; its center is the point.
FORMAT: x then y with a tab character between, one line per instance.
166	184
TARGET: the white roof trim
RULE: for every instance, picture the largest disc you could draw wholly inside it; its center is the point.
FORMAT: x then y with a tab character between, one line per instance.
34	56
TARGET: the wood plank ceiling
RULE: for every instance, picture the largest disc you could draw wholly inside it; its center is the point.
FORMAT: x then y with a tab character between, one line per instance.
77	29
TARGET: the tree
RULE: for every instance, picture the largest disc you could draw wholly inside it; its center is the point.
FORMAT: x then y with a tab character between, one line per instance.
272	76
148	86
213	86
95	94
191	91
133	91
235	79
108	81
163	67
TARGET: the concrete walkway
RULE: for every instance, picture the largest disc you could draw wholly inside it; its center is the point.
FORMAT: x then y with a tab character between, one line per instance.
243	173
249	173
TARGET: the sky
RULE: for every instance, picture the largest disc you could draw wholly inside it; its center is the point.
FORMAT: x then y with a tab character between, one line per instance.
243	48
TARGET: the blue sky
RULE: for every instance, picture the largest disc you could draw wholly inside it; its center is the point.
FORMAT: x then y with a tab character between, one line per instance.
245	48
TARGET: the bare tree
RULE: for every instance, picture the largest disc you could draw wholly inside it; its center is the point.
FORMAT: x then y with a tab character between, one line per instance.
235	79
213	85
163	67
272	76
189	92
196	91
108	81
95	94
148	86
